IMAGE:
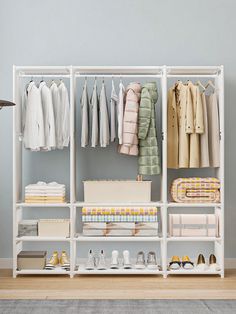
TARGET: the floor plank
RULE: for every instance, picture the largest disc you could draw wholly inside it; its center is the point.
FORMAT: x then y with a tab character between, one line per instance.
117	287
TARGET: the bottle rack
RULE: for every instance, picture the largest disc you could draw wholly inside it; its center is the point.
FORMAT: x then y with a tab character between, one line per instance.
164	75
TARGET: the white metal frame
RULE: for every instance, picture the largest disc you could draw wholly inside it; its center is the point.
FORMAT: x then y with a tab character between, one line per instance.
164	73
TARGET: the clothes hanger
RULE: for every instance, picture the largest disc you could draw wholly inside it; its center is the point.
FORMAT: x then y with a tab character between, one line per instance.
209	83
200	84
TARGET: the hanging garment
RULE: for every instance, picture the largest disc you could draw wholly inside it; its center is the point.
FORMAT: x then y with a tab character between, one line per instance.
121	111
194	159
64	116
185	122
204	146
129	144
149	163
113	108
94	116
33	123
172	131
84	102
57	111
213	130
104	118
48	115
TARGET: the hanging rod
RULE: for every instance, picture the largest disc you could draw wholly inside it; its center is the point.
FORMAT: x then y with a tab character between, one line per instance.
192	75
118	75
44	75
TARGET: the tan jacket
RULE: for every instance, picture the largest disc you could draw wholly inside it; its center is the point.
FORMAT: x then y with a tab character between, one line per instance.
185	119
172	131
194	158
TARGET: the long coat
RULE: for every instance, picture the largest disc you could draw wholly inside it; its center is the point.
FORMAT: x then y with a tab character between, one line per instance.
149	163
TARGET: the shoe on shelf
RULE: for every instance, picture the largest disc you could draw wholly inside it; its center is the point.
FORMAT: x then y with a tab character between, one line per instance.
175	263
101	261
201	263
186	263
152	261
126	260
64	261
90	265
213	263
53	261
140	261
114	260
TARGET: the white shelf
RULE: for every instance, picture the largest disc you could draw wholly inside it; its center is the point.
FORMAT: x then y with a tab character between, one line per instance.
146	204
82	271
173	204
39	239
43	205
42	272
82	238
194	239
193	272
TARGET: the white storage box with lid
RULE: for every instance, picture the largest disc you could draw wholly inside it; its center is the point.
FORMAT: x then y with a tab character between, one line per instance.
54	228
105	191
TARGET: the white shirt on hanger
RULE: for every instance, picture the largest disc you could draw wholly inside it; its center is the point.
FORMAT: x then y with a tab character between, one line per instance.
48	113
121	111
33	120
84	117
113	108
104	118
64	115
94	117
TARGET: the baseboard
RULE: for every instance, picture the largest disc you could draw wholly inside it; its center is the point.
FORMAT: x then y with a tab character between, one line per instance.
6	263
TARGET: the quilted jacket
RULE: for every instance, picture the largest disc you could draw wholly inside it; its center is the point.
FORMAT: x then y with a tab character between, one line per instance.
149	163
129	144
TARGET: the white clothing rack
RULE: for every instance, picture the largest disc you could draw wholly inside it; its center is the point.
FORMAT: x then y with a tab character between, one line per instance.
163	74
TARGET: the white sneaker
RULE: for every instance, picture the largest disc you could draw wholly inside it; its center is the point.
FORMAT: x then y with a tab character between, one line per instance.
101	261
114	259
90	265
126	260
152	261
140	261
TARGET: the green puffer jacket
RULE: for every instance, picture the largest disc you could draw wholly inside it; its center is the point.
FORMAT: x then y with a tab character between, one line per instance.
149	163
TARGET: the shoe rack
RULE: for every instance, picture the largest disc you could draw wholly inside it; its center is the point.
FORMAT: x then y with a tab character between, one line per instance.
165	76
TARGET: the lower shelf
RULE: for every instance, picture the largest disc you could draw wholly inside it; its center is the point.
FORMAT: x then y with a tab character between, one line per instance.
193	272
42	272
83	271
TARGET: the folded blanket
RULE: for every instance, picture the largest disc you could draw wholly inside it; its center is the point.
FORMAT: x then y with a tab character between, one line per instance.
196	190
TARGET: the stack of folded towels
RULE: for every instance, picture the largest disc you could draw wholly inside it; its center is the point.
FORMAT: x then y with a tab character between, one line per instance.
43	192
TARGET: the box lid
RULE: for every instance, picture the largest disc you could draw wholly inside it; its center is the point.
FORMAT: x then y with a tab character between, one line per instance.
34	254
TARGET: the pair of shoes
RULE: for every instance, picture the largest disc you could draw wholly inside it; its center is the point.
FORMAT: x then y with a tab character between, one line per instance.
201	264
54	261
151	261
125	261
177	264
96	262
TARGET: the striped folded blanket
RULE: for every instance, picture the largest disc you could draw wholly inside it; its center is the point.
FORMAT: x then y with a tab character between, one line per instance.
120	211
195	190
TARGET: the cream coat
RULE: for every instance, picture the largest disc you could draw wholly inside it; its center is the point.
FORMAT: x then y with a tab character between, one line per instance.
194	159
185	118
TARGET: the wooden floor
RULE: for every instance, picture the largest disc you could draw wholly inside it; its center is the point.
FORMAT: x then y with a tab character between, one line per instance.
119	287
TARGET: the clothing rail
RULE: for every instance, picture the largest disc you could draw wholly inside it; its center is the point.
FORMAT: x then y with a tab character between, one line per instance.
44	75
193	75
118	75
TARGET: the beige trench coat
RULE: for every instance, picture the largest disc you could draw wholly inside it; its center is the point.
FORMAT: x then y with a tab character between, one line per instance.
185	118
172	131
194	158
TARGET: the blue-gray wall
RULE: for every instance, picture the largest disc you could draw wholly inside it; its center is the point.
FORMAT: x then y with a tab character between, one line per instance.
124	32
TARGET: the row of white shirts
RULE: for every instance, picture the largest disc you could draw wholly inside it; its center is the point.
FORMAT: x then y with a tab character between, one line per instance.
98	128
46	116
